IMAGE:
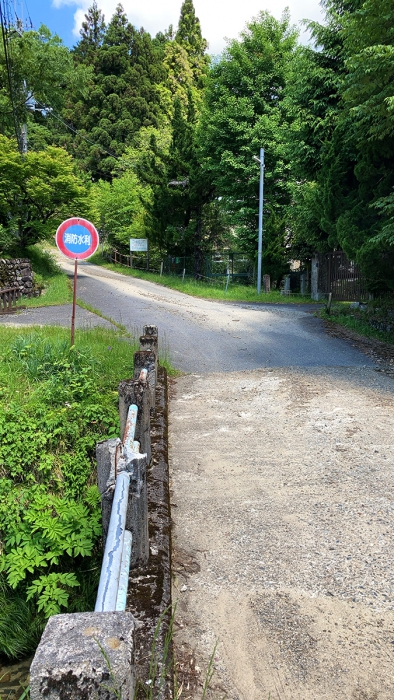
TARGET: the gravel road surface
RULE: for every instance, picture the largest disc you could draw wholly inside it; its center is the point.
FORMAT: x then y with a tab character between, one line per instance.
282	494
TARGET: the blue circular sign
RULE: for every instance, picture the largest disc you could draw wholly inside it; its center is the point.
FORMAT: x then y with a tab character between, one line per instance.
77	238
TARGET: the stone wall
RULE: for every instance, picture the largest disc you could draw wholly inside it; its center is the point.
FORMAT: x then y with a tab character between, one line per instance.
17	273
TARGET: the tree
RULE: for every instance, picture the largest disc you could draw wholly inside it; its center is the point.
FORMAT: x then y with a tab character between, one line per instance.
342	141
41	69
243	112
367	224
189	36
122	208
357	175
124	94
92	34
38	192
167	159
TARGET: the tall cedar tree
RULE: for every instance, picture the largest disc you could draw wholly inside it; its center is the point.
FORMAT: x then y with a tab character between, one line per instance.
92	35
124	94
187	201
180	188
190	38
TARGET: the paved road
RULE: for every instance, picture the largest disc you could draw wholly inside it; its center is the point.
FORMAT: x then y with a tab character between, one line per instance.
205	336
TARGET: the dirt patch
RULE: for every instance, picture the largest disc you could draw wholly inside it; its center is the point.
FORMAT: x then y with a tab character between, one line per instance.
283	509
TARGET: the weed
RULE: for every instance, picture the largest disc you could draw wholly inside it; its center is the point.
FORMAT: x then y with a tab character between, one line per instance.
366	323
93	310
210	673
160	663
114	689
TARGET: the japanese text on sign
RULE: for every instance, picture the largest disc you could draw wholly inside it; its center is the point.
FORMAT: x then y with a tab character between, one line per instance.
76	239
138	244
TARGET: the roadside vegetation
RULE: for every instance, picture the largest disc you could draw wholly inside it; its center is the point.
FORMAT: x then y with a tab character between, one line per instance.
57	403
206	289
52	282
374	319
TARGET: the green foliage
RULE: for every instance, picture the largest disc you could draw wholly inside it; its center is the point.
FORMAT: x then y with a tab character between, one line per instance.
41	67
57	403
38	191
243	112
122	208
123	93
342	140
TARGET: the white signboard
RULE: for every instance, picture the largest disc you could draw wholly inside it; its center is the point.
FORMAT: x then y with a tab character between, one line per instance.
138	245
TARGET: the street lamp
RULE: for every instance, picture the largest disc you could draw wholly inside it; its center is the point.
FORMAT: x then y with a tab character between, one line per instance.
261	196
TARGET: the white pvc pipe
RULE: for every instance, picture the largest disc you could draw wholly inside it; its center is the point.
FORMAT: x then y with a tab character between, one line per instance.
110	570
124	572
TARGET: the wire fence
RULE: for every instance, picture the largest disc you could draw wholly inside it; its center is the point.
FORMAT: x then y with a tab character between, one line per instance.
219	270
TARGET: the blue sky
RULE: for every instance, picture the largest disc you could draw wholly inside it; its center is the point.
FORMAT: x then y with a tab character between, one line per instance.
60	20
219	18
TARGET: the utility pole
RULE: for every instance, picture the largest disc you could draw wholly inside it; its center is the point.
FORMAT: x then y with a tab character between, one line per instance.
261	204
24	139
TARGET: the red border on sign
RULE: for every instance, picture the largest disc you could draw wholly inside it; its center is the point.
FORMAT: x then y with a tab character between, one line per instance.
76	221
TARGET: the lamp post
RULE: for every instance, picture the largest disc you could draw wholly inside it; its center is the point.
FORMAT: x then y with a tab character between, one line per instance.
261	199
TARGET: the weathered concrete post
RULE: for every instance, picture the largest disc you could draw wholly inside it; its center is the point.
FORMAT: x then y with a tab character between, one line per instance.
316	294
149	341
137	515
85	655
106	453
147	359
136	392
267	283
304	282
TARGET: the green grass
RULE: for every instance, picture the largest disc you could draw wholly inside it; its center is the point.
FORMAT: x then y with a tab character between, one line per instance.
343	316
57	404
112	352
56	287
84	305
205	290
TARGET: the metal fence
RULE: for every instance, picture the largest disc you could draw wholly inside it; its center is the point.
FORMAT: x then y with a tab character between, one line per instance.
342	277
217	266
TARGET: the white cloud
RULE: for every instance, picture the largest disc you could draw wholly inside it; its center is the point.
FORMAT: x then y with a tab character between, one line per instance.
219	19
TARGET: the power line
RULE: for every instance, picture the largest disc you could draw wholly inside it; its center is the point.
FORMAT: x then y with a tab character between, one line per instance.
9	74
7	27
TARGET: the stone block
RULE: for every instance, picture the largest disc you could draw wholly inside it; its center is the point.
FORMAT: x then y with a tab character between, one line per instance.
83	656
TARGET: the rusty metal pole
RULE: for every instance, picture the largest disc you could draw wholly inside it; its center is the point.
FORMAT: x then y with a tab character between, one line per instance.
74	301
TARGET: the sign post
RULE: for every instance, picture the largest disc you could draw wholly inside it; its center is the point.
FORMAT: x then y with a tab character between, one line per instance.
138	245
77	239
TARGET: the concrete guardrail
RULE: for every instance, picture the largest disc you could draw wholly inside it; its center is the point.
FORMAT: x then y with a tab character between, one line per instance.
91	655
